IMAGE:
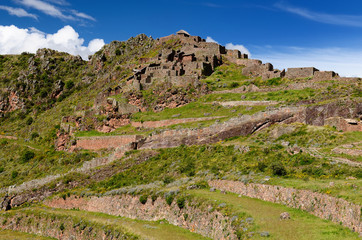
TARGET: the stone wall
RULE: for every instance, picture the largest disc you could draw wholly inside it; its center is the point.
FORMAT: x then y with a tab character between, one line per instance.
293	73
345	125
207	223
169	122
97	143
321	205
60	227
325	75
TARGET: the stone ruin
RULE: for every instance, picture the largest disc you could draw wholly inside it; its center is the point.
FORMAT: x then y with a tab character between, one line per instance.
195	58
310	72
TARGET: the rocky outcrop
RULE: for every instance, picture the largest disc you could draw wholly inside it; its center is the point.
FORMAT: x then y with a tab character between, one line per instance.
240	126
209	223
321	205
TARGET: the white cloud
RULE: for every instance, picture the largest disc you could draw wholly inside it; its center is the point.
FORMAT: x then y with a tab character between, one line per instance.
46	8
83	15
14	40
19	12
335	19
241	48
346	62
231	46
55	8
210	39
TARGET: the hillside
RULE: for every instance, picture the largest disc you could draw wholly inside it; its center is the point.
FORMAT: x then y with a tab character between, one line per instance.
177	138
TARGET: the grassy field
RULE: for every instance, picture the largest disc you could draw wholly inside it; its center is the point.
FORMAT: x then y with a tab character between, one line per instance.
14	235
301	226
145	229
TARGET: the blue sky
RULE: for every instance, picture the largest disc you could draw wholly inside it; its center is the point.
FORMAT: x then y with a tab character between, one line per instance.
287	33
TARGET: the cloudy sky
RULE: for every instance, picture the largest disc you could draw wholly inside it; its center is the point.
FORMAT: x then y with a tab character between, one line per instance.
287	33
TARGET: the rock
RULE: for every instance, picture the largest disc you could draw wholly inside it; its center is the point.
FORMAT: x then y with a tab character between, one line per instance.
264	234
243	96
351	178
221	205
207	114
331	184
249	220
176	115
212	189
284	216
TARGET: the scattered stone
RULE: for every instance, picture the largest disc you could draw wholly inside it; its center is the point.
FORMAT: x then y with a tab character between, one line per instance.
218	80
264	234
284	216
176	115
212	189
222	205
331	184
223	191
285	143
233	111
351	178
243	96
249	220
207	114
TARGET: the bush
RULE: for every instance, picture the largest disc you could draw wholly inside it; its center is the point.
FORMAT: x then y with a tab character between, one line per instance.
169	199
26	156
14	174
34	135
181	202
69	84
234	85
278	169
143	199
62	227
29	121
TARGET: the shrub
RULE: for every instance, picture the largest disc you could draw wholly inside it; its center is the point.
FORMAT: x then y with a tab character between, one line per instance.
14	174
26	156
169	199
143	199
278	169
29	121
234	85
62	227
2	169
181	202
69	84
118	52
34	135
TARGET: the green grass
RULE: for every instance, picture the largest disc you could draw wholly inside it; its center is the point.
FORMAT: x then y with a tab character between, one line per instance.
22	161
342	188
196	110
289	96
266	215
145	229
125	130
9	234
226	76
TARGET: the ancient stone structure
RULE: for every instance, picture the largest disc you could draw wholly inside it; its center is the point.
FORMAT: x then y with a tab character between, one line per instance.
97	143
321	205
345	125
195	58
310	72
257	69
211	224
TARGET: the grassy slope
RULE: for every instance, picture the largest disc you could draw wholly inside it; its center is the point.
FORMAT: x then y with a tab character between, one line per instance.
8	235
301	226
145	229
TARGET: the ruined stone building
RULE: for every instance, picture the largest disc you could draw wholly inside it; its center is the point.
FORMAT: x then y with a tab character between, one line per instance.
195	58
